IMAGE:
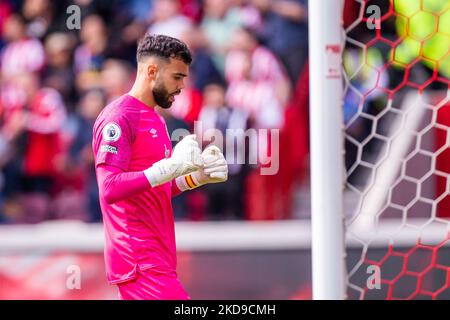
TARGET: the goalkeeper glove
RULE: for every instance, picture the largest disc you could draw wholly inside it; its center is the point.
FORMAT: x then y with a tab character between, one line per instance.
215	170
186	158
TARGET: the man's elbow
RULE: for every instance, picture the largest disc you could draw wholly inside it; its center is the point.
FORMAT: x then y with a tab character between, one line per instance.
109	199
109	196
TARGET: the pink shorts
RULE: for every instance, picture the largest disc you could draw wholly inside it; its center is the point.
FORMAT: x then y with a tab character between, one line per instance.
152	286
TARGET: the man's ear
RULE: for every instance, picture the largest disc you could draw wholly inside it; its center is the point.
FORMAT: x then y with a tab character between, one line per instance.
152	70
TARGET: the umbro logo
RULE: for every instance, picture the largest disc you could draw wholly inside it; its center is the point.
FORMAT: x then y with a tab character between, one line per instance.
154	133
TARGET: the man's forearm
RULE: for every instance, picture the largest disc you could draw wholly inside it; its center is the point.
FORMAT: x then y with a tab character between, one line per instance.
117	185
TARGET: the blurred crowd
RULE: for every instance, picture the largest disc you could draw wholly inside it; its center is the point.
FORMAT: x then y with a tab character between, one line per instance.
249	72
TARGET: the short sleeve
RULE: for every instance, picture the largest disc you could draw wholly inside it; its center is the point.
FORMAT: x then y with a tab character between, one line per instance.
113	141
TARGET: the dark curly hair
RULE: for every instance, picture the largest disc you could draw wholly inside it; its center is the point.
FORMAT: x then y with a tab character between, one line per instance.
164	47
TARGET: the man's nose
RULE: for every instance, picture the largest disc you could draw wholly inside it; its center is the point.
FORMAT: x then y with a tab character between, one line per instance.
181	85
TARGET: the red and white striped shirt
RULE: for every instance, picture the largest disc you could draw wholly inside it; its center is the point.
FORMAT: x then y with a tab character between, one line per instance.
46	119
22	56
264	66
253	81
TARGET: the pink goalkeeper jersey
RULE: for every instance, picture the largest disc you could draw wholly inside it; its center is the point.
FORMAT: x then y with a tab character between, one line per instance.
139	230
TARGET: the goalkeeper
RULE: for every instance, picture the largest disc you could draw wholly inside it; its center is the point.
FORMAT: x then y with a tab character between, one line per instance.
138	173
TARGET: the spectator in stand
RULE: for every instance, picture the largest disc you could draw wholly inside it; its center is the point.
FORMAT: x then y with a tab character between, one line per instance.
259	86
167	19
116	78
125	32
45	114
39	14
285	32
58	73
93	50
227	201
219	24
80	161
257	81
137	8
12	128
22	53
91	53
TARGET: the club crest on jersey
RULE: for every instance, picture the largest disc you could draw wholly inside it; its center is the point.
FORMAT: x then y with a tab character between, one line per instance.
111	132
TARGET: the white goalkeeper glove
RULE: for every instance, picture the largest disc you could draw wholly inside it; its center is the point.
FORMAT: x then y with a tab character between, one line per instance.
215	170
186	158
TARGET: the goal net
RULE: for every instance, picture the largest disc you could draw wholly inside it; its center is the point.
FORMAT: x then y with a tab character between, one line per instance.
396	116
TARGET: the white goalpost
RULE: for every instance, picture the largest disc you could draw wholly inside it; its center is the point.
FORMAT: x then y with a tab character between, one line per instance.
327	170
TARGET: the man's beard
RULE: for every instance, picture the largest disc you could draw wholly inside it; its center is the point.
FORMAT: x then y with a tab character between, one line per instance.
161	96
